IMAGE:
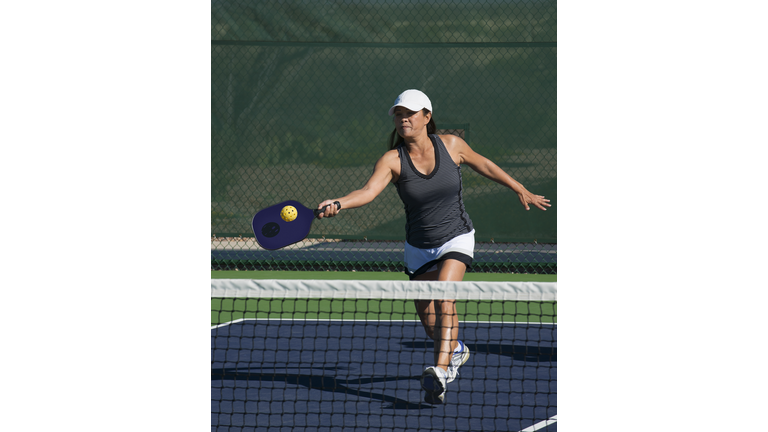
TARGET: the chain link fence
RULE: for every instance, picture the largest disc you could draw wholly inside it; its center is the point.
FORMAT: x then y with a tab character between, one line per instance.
299	98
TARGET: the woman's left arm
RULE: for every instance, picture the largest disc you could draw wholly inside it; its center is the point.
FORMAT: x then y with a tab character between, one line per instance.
485	167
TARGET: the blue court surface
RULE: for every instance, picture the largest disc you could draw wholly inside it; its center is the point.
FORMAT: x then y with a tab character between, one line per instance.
321	375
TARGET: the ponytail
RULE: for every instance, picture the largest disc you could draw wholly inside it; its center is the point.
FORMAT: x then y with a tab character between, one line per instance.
431	127
395	140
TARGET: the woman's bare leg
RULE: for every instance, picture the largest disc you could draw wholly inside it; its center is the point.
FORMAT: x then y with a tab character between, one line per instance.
439	317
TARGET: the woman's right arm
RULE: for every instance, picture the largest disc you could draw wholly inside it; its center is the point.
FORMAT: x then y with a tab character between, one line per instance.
383	173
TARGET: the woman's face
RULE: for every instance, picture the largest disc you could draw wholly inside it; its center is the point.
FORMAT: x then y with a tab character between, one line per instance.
411	123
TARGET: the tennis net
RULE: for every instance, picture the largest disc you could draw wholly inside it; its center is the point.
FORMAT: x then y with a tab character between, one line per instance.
349	355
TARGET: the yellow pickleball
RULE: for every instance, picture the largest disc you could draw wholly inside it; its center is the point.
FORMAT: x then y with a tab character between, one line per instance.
289	213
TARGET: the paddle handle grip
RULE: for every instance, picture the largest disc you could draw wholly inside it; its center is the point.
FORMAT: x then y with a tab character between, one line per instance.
318	211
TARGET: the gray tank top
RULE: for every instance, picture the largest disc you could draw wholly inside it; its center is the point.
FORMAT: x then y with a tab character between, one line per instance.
434	208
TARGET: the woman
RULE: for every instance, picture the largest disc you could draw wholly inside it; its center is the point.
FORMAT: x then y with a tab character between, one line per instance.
426	170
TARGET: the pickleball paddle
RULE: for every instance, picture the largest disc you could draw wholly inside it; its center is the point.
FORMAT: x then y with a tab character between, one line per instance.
273	232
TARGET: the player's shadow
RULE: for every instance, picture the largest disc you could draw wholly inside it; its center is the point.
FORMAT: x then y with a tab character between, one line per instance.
517	352
322	382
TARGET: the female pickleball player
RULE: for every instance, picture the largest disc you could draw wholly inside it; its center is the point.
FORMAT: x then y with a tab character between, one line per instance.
440	238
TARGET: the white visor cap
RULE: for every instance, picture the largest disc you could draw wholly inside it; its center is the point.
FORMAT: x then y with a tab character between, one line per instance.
414	100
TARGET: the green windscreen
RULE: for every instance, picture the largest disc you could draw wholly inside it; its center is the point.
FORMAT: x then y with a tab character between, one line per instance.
300	92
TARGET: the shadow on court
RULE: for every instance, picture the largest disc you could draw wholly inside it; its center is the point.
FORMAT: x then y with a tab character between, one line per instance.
324	383
517	352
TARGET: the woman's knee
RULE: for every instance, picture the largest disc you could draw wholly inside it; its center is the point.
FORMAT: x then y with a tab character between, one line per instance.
446	307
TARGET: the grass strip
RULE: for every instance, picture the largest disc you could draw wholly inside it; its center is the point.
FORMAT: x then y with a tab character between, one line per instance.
339	275
229	309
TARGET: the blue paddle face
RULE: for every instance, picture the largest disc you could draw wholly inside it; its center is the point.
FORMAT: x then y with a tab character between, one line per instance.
272	232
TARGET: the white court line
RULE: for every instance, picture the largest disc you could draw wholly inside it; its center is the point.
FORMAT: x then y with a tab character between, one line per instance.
541	424
363	320
232	322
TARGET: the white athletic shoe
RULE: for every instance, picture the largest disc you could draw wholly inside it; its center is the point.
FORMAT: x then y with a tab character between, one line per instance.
433	381
457	360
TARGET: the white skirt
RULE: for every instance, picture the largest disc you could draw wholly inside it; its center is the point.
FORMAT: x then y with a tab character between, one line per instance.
420	261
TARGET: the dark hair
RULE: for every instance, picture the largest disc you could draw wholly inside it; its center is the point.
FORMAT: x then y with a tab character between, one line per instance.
395	139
